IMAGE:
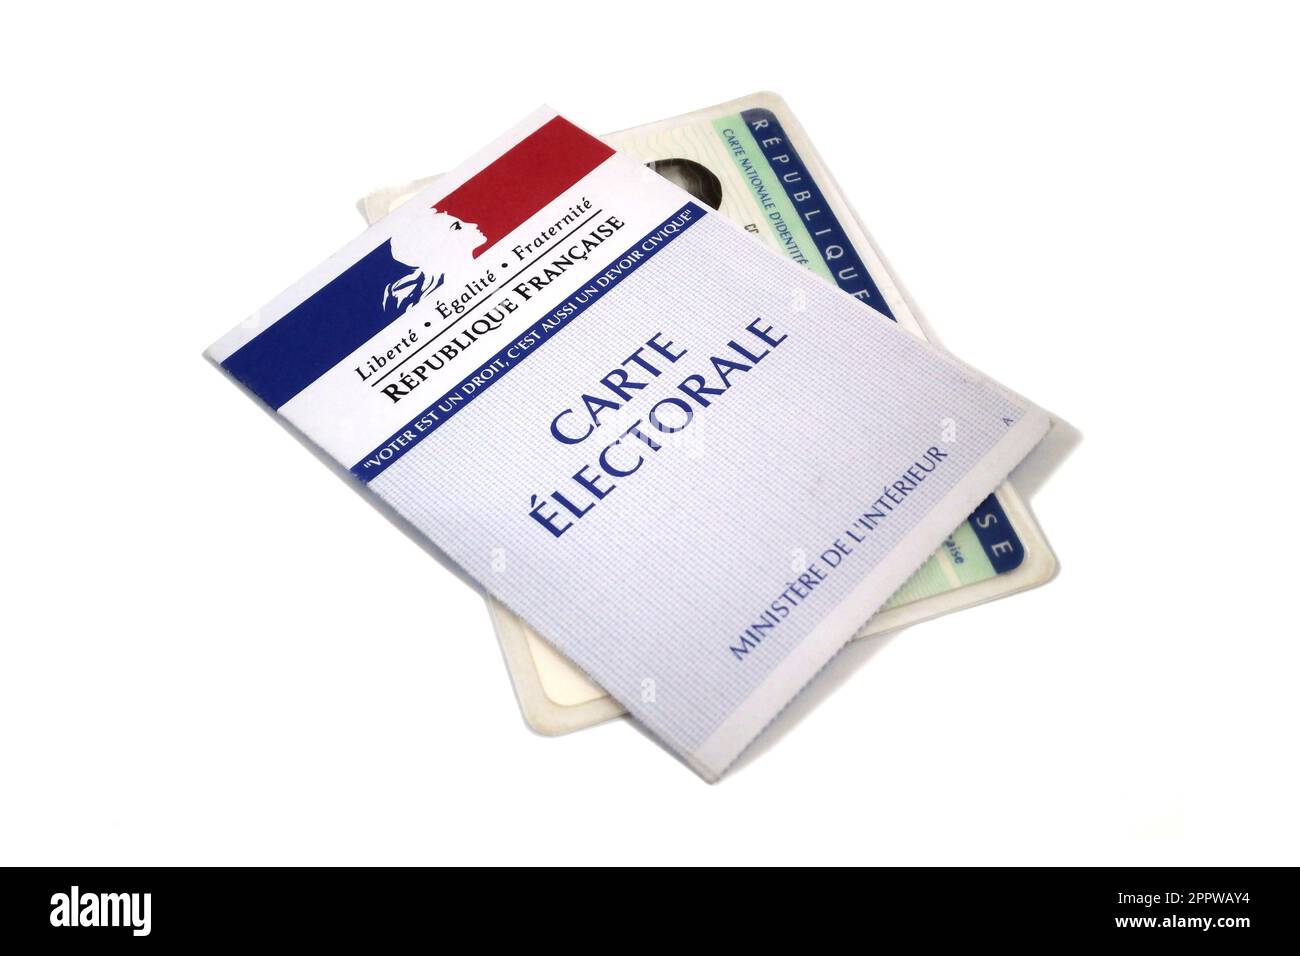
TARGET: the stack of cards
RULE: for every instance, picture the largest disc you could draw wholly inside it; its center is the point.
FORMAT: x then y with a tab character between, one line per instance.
751	161
664	405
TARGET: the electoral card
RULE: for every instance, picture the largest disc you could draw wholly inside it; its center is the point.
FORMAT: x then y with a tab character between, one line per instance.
619	414
751	160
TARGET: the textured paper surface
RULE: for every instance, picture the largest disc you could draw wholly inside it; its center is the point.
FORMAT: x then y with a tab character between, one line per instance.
770	412
728	156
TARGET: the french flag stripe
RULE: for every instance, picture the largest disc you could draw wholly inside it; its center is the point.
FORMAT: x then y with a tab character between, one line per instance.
344	314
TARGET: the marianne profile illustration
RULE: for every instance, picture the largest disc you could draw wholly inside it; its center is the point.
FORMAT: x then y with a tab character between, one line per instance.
431	244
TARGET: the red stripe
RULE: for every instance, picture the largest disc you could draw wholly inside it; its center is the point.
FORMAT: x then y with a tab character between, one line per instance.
523	180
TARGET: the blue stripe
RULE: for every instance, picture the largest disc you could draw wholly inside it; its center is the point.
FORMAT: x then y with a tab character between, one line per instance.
446	406
847	267
310	339
996	536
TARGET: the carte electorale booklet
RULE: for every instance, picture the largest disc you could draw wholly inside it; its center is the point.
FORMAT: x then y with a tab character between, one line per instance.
693	466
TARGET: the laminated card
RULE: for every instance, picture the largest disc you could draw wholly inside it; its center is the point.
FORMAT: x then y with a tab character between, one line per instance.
690	464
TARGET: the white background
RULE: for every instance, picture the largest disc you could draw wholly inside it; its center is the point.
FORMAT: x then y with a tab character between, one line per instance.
215	651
